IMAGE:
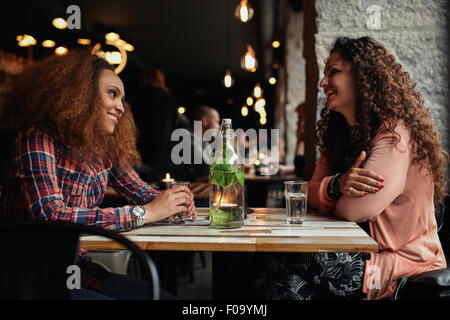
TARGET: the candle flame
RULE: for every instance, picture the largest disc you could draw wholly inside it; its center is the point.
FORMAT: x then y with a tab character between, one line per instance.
167	176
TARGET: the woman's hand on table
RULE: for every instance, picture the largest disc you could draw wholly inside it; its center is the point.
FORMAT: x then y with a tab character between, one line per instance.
169	202
357	182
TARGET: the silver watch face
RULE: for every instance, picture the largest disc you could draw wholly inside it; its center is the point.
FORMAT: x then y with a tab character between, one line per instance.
139	212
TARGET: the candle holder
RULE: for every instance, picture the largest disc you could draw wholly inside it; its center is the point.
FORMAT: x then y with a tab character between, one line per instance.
166	183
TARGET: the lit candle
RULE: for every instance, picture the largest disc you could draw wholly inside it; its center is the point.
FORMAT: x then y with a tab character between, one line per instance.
224	204
228	205
167	182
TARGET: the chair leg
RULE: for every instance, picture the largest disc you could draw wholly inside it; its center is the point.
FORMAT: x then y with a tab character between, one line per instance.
202	259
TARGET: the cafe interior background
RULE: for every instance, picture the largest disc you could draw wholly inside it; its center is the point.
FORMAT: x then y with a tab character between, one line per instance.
197	42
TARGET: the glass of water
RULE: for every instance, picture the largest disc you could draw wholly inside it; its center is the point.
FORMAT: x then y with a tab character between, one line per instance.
296	194
181	217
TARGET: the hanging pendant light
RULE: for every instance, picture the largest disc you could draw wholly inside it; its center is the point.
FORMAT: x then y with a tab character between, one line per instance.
243	11
84	41
248	61
228	80
59	23
257	91
25	40
61	51
48	43
112	36
244	111
259	105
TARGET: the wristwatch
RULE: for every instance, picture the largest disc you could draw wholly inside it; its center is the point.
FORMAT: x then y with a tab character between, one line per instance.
334	188
139	213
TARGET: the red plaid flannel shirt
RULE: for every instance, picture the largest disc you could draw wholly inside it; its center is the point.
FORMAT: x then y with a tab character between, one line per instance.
45	183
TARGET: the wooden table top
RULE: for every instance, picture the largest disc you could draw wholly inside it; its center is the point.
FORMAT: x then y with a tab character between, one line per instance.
265	230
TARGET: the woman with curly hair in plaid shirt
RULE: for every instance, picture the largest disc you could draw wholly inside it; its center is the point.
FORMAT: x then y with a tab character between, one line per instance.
76	137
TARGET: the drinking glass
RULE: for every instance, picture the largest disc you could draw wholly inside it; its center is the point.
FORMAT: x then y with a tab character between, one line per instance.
296	194
180	217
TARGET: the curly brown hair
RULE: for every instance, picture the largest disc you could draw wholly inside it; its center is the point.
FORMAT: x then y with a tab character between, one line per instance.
385	95
60	95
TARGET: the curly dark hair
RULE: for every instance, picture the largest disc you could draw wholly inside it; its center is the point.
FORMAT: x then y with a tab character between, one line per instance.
385	95
59	94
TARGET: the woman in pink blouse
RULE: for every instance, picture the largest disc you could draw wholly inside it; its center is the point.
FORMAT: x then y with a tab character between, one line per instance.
380	165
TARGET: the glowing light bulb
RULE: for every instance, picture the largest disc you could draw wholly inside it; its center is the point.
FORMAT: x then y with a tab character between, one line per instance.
272	80
61	50
48	43
249	101
276	44
84	42
26	40
120	42
128	47
112	36
259	104
257	91
59	23
181	110
248	61
113	57
244	111
263	121
228	80
243	11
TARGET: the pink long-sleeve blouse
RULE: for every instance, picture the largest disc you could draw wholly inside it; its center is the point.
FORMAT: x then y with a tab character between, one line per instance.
401	215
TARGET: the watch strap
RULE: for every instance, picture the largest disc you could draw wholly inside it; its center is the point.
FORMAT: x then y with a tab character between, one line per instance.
333	188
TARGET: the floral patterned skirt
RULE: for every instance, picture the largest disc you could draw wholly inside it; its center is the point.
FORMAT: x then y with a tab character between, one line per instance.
307	276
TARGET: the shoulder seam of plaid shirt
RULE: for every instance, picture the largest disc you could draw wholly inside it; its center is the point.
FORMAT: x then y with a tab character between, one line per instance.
51	187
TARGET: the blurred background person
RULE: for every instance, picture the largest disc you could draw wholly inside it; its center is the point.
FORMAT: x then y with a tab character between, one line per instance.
210	119
155	111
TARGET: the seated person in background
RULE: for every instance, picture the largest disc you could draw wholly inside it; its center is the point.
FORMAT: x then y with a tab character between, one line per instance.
155	111
76	138
381	164
210	119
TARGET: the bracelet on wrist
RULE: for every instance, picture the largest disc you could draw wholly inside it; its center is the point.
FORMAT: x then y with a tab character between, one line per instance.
333	188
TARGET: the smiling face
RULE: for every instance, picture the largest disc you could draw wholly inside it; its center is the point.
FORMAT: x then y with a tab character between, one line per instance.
338	84
112	97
